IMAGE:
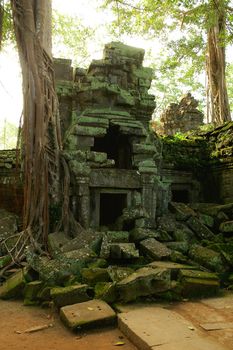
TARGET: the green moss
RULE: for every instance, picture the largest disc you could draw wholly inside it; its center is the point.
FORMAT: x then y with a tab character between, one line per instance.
44	294
98	263
5	260
31	292
69	295
94	275
14	286
106	292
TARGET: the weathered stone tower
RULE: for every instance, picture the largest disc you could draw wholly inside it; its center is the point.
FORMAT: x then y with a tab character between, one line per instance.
105	111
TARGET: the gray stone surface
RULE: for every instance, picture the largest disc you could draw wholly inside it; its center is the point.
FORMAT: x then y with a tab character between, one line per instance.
88	314
152	327
155	249
181	117
69	295
200	230
207	258
123	251
226	227
139	234
198	284
214	326
110	237
143	282
181	210
13	286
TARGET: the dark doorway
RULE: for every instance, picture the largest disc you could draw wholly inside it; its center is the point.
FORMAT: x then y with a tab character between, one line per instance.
111	207
181	196
117	147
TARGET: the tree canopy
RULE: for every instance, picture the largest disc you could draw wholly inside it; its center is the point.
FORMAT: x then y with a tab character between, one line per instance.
182	28
195	32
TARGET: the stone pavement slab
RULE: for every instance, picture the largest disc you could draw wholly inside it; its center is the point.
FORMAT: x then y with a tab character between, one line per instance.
90	313
213	326
158	328
224	302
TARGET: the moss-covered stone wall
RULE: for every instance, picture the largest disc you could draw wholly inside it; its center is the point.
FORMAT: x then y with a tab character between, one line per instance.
11	192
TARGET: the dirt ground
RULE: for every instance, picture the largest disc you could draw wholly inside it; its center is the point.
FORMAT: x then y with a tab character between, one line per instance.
15	319
217	311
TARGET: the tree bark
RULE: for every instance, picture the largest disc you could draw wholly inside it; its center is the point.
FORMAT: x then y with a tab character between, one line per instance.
216	68
41	132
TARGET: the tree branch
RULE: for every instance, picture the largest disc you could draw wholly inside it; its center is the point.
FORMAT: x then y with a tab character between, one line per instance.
141	9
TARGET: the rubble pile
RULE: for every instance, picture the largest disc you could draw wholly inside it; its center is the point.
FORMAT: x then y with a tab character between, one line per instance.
132	241
188	255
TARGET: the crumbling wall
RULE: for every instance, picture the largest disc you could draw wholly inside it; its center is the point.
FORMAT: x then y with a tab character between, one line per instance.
108	146
217	179
181	117
208	159
11	192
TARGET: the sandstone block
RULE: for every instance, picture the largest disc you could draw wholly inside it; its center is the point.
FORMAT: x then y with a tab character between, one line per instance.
88	314
155	249
69	295
143	282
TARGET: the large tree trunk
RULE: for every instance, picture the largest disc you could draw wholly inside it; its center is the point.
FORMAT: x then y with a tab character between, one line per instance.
216	67
41	133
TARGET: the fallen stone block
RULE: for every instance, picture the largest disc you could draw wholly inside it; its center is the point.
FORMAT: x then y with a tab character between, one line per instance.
118	273
155	249
181	210
172	266
58	271
206	220
178	257
85	239
184	233
94	275
79	254
167	223
5	260
31	292
106	291
182	247
123	251
98	263
56	241
200	230
225	249
207	258
226	227
88	314
44	294
69	295
13	287
143	282
139	234
163	236
112	237
194	283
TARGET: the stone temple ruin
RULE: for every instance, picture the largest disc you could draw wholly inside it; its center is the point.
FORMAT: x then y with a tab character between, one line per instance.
107	141
156	213
181	117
